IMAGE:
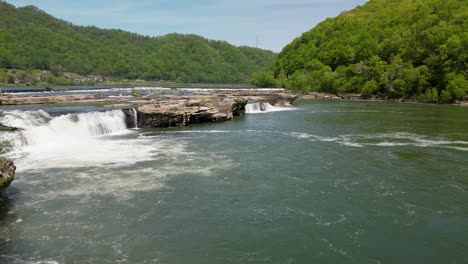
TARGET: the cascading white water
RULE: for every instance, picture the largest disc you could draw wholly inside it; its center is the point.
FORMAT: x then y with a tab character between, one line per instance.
74	140
259	108
135	117
38	127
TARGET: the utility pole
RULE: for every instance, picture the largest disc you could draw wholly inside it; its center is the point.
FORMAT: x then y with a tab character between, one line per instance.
257	41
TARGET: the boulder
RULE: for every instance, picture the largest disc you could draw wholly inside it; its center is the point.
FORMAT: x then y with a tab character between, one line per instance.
7	173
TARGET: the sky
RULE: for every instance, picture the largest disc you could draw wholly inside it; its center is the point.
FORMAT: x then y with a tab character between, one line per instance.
239	22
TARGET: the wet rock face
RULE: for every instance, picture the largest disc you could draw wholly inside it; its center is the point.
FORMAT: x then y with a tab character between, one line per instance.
238	107
171	114
7	174
281	100
161	119
130	118
183	111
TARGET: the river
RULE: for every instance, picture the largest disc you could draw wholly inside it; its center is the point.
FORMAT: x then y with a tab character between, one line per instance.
322	182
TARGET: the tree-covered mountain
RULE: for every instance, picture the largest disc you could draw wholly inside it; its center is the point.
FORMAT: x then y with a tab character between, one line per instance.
394	48
32	39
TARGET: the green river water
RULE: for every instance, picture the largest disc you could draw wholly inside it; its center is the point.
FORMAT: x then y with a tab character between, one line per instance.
323	182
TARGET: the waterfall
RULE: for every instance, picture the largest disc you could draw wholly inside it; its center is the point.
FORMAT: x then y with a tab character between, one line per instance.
131	117
135	117
90	139
259	108
38	127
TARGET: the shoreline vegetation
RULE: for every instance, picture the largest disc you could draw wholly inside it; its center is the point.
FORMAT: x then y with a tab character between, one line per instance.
409	50
47	98
11	78
36	47
400	51
375	98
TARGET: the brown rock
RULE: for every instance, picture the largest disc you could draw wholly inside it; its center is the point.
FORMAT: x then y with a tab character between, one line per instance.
7	173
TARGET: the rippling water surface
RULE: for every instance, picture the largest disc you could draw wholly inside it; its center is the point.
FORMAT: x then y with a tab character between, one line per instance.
326	182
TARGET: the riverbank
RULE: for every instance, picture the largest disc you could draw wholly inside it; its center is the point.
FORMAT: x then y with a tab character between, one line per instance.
11	88
360	97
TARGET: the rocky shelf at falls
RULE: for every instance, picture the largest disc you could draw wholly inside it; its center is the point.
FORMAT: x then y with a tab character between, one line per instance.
160	111
201	109
168	110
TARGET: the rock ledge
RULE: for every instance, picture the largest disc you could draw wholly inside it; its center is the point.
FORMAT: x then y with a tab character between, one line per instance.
7	173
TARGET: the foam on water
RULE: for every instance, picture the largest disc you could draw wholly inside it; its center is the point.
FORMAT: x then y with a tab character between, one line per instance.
255	108
298	190
386	140
87	186
199	132
99	153
122	180
74	140
352	140
16	259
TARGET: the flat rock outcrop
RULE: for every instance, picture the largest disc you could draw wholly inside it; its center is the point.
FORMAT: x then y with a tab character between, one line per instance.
280	99
168	110
212	106
50	99
182	113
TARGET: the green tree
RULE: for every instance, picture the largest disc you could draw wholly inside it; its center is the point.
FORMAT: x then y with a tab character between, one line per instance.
457	87
370	88
396	48
263	79
32	39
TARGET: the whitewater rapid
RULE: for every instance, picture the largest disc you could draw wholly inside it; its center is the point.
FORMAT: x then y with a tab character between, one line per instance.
260	107
332	175
74	140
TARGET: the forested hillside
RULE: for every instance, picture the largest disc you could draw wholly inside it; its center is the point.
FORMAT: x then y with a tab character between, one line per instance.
31	39
394	48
